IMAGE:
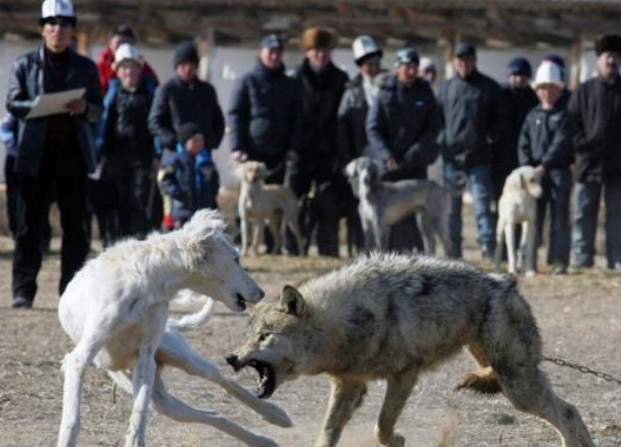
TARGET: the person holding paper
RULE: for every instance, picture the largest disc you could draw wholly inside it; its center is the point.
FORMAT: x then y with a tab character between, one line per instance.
55	151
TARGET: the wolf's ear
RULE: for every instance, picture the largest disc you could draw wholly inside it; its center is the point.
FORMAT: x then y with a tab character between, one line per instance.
292	302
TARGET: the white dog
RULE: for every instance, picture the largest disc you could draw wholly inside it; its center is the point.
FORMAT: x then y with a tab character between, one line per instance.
518	205
259	203
116	310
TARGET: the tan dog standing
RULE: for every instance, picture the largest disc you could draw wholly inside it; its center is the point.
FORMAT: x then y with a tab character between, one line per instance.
518	205
260	203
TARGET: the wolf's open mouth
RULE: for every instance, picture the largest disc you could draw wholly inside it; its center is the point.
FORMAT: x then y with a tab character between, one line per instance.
267	379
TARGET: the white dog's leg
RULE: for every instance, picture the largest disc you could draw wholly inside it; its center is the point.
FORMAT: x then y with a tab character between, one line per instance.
257	238
142	386
245	232
531	250
175	351
74	367
292	223
511	252
276	226
167	404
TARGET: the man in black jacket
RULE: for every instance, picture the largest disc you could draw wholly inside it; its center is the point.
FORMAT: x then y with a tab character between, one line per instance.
402	127
185	98
264	116
519	99
321	85
474	119
55	152
595	109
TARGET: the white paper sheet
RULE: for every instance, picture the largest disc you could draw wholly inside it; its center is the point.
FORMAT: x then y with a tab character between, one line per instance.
53	103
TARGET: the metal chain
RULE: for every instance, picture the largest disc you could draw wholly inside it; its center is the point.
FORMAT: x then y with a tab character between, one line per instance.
582	369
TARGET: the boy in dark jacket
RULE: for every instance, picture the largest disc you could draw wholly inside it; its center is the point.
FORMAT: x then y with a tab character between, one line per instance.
546	144
188	177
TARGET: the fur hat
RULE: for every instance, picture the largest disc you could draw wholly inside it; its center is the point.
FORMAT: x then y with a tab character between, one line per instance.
318	38
187	131
186	52
608	42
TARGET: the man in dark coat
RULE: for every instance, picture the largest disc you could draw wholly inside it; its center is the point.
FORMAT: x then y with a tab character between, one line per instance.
519	99
474	119
264	116
360	94
55	152
185	98
403	126
595	108
321	85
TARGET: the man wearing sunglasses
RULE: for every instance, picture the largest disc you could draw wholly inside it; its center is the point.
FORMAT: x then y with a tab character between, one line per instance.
55	152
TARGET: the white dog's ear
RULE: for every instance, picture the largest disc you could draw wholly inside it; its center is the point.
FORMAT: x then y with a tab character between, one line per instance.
292	302
350	169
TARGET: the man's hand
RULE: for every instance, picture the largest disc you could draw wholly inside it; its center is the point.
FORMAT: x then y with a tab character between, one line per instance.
292	156
391	164
76	107
239	156
541	170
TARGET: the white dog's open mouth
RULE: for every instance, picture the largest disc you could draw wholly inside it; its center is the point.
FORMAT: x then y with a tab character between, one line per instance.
267	379
241	302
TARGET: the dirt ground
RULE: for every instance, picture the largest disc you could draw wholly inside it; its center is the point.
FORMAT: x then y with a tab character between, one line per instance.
579	316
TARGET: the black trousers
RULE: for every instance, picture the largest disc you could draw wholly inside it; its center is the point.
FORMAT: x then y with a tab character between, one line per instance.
132	187
32	213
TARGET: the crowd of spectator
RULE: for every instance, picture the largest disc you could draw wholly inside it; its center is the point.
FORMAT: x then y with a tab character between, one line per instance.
128	139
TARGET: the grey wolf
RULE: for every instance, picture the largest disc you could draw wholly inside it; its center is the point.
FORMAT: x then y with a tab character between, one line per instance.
393	317
259	203
518	205
382	204
116	311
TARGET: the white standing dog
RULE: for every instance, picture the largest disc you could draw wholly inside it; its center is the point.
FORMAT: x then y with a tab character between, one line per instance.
116	310
518	205
260	203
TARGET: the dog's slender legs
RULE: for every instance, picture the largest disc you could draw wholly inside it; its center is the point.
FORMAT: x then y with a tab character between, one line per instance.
427	233
500	228
257	238
531	393
169	405
245	233
345	397
397	393
531	249
74	366
511	251
142	386
175	351
276	228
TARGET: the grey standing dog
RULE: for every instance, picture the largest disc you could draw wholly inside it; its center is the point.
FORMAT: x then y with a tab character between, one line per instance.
392	317
382	204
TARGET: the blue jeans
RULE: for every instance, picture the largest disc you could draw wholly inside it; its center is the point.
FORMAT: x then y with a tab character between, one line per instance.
586	208
556	192
481	187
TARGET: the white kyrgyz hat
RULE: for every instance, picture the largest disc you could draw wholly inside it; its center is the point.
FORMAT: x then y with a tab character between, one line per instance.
55	8
365	46
548	73
126	52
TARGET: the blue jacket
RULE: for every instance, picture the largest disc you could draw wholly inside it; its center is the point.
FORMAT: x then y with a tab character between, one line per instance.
29	79
8	134
191	182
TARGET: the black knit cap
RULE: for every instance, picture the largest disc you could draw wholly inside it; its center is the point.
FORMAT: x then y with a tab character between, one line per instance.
186	52
124	31
187	131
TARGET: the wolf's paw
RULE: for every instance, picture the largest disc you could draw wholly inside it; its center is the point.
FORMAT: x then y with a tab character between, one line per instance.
393	440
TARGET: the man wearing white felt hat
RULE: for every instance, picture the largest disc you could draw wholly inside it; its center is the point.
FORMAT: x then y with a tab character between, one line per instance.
55	152
546	144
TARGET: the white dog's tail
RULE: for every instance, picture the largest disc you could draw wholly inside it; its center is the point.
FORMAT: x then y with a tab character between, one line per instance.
194	320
